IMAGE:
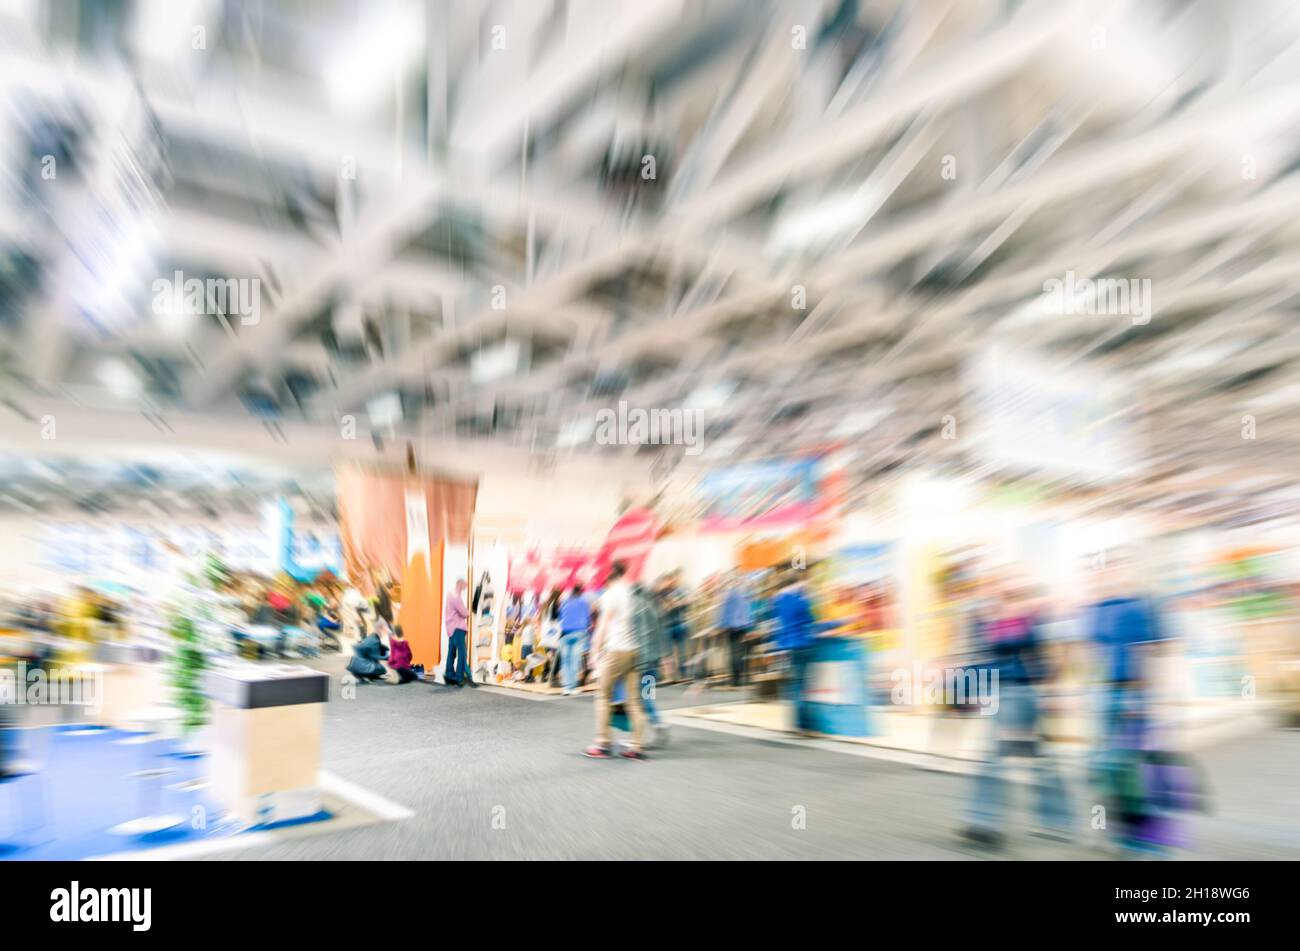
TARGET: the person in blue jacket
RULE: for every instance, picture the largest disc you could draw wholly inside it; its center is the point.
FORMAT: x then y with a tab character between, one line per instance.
1124	625
365	663
796	633
575	630
736	620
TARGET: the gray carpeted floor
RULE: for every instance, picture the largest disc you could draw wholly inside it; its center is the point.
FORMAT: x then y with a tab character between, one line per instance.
491	775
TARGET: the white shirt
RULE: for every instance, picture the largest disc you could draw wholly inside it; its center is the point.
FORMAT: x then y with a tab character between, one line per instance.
616	617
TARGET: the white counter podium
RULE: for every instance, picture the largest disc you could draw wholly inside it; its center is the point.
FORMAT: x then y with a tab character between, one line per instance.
265	740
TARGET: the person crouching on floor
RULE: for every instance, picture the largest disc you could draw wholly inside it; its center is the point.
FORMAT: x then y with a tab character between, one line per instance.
399	659
365	663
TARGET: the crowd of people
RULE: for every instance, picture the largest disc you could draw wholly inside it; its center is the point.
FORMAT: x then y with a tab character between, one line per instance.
741	629
235	612
284	616
736	628
1111	644
633	635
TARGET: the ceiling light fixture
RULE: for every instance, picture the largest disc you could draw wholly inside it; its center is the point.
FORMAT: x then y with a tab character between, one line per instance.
385	410
838	216
578	431
119	378
495	362
711	395
363	70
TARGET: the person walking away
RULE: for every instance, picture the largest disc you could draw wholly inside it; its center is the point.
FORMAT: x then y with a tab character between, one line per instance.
575	619
1012	646
673	610
795	635
736	620
456	624
1125	626
652	645
615	647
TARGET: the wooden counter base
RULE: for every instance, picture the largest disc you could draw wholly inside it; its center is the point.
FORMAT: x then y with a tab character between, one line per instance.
261	751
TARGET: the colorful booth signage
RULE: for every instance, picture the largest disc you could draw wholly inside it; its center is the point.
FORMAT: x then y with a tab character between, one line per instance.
630	541
761	495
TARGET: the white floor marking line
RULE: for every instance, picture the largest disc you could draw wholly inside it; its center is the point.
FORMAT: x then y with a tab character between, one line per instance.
364	798
518	693
192	850
385	809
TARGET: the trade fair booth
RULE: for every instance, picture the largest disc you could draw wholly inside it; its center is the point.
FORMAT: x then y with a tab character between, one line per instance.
521	646
401	523
890	577
167	623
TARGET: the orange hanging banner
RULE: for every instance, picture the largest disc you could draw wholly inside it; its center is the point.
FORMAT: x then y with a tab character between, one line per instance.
399	521
421	583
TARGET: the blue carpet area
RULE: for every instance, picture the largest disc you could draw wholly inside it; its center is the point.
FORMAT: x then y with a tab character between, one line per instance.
86	788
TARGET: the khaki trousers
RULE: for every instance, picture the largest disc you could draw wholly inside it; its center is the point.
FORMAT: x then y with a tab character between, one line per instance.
615	666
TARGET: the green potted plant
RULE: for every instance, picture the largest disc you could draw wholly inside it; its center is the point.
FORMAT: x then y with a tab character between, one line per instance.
188	664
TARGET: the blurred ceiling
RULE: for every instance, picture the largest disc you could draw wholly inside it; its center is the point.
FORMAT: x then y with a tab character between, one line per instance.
168	484
448	209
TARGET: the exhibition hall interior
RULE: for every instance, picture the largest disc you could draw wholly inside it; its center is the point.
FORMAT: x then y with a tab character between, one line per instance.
649	429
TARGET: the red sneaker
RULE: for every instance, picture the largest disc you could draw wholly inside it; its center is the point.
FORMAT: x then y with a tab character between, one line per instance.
632	754
596	752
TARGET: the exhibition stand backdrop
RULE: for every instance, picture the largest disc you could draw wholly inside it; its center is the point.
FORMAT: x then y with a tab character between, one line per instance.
399	521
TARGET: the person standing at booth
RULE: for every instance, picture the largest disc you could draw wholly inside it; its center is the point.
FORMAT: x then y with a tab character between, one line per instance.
795	634
1011	645
383	597
456	624
672	607
575	620
736	620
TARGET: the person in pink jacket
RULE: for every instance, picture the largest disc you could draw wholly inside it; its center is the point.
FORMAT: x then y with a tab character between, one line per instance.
456	624
399	658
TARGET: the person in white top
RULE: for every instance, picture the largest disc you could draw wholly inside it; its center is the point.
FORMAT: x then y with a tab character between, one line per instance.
615	650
